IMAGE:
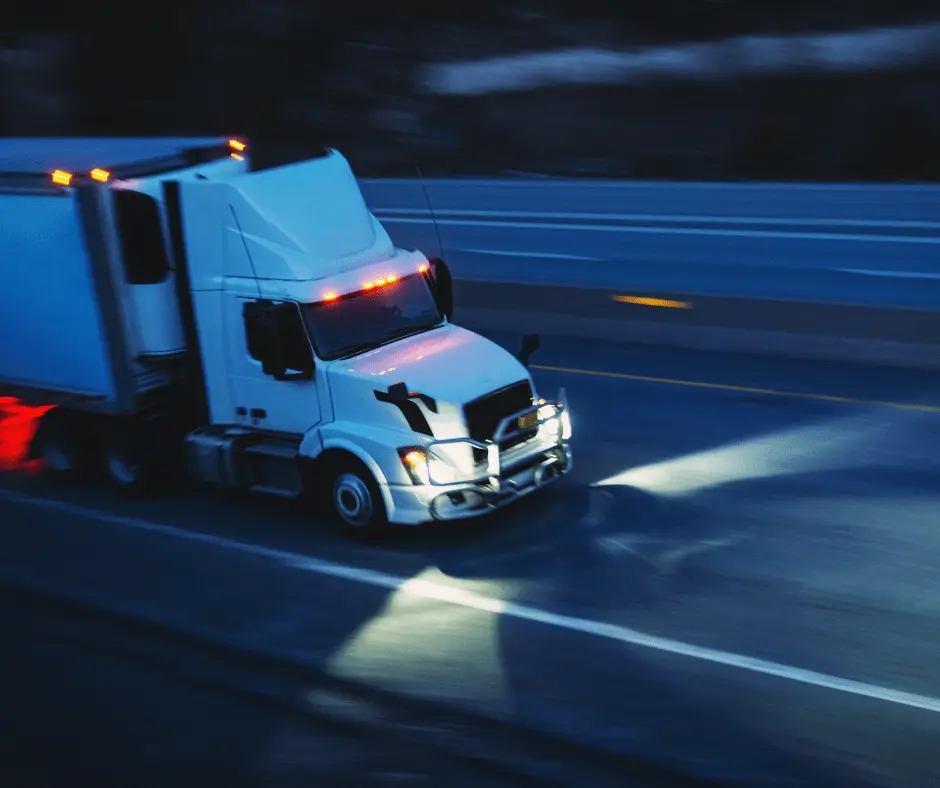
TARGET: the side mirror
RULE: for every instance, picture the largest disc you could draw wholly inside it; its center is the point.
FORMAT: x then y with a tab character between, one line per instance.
304	372
530	343
291	346
443	287
277	338
259	335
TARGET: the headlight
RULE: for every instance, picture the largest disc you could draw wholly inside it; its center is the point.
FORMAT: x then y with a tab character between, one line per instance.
416	464
420	470
548	416
555	420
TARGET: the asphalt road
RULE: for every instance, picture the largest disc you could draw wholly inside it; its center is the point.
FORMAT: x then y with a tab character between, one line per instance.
88	704
740	578
849	244
94	699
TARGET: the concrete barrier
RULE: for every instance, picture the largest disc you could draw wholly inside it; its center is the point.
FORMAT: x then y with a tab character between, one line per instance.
799	329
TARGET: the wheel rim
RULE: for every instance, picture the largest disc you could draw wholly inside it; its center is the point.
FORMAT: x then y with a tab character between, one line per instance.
122	470
352	500
57	457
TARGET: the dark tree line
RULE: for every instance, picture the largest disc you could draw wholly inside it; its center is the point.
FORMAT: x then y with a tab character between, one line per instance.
295	73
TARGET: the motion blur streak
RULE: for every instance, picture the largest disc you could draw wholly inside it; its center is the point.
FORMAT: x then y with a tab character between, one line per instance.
18	424
838	52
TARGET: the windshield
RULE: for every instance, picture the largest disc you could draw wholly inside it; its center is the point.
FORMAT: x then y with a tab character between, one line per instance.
360	321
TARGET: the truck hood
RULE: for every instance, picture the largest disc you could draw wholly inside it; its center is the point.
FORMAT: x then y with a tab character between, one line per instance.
449	364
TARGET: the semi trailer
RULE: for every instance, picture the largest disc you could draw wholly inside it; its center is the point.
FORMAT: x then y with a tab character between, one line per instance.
173	309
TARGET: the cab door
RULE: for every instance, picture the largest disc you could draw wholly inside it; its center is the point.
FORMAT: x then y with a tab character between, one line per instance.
259	333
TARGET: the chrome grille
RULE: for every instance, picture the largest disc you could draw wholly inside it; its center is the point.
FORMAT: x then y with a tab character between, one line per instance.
484	414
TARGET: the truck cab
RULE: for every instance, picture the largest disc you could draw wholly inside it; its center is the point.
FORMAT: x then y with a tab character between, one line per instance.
309	354
333	354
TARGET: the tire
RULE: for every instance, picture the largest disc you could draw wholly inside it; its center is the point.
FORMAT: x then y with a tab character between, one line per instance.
356	501
124	464
136	456
65	448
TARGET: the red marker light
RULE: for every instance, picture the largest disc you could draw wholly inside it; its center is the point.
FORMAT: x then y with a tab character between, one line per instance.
368	285
236	145
331	296
18	423
391	278
423	268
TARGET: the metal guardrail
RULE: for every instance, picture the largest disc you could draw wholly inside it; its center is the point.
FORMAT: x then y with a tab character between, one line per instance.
842	272
876	245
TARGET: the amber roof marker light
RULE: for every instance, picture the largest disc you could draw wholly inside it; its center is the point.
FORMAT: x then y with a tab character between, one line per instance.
238	148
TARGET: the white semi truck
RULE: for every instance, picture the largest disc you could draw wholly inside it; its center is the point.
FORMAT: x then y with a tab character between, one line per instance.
257	328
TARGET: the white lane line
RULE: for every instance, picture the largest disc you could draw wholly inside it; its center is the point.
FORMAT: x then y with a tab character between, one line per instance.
547	255
894	274
609	228
656	217
461	598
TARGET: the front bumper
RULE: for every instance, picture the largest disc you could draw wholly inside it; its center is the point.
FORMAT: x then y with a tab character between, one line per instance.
506	476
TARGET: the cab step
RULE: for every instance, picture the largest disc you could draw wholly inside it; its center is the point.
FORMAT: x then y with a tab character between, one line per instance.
280	492
279	451
272	468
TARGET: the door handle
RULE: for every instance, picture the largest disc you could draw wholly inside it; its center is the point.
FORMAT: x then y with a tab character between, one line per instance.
258	413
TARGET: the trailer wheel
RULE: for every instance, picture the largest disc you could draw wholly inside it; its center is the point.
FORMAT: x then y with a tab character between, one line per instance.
357	501
127	460
64	446
124	471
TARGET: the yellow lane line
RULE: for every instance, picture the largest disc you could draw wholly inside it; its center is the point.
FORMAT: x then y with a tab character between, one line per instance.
644	301
740	389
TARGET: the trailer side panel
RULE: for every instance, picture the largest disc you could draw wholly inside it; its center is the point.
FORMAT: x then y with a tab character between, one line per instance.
52	327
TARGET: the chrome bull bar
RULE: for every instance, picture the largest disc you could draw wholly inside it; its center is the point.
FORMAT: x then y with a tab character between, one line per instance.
489	484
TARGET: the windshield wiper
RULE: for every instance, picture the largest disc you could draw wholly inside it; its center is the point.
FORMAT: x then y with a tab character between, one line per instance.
352	350
389	336
401	333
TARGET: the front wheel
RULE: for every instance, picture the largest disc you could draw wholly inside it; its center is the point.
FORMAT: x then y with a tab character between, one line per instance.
357	501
